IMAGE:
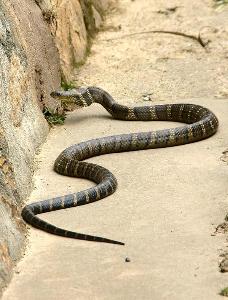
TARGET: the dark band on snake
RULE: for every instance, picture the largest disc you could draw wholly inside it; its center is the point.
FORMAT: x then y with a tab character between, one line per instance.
201	123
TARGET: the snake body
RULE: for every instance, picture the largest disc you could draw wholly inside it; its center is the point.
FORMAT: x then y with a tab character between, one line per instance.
200	122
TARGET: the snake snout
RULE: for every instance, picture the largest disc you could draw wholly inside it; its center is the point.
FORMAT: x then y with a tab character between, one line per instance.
65	94
56	94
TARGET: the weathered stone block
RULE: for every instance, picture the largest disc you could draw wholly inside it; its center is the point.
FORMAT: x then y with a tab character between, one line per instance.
29	71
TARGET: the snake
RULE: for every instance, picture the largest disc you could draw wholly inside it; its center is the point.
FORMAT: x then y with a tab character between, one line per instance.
199	123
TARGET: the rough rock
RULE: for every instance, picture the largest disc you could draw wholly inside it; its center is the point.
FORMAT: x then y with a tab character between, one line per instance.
72	24
29	70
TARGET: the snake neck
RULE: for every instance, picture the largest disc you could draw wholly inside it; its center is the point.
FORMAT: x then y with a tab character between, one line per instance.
102	97
98	95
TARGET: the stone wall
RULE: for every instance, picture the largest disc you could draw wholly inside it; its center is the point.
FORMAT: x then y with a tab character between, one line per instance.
40	40
28	72
72	24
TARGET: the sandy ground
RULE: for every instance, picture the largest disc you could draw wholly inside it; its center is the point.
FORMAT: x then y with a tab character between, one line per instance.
169	201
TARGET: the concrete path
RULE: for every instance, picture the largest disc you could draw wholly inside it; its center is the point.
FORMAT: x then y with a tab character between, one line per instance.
169	201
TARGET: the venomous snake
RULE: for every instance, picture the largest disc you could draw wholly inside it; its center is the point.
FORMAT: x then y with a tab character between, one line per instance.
200	124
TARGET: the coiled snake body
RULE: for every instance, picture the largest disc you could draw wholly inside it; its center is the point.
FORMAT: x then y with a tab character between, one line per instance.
200	124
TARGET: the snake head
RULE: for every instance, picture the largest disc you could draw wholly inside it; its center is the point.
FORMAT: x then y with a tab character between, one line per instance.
78	97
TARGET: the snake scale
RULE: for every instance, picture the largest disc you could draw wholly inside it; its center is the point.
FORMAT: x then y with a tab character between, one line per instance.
200	123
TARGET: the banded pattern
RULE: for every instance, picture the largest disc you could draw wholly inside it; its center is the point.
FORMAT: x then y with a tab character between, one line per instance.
201	123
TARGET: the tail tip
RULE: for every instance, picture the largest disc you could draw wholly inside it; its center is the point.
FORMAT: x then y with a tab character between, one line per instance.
120	243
